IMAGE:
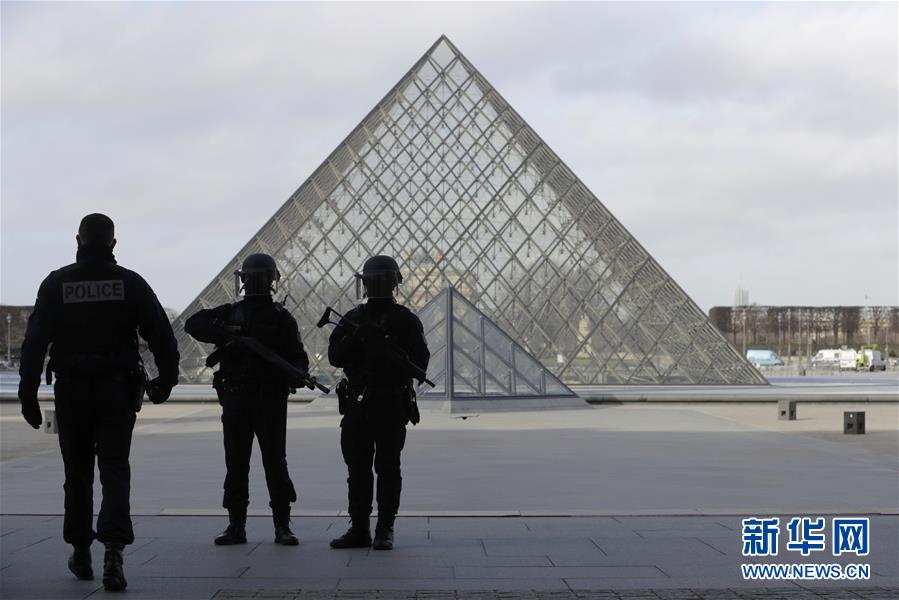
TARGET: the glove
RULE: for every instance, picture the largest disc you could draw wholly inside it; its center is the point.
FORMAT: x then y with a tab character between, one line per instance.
31	410
298	382
157	391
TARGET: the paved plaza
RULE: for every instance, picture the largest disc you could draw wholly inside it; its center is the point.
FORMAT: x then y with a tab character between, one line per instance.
621	499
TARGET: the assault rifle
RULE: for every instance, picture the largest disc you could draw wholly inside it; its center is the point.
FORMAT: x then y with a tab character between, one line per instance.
269	356
394	352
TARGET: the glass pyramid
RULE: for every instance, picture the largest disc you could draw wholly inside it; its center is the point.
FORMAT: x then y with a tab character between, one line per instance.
473	359
445	176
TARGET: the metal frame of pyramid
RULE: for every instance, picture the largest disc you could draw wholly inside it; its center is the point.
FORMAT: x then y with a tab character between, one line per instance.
444	175
473	359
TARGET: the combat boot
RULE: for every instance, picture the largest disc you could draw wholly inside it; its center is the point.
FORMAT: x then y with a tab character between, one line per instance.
383	534
236	532
283	534
113	573
357	536
80	563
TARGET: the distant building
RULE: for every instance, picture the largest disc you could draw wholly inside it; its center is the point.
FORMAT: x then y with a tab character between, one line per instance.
741	296
790	329
18	321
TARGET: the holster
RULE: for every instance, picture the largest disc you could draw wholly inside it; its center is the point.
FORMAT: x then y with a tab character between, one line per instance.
347	396
412	414
137	382
218	384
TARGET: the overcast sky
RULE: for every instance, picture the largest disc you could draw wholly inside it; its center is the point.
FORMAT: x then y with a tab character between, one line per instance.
750	144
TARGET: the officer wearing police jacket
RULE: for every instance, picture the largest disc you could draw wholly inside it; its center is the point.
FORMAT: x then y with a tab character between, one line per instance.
89	314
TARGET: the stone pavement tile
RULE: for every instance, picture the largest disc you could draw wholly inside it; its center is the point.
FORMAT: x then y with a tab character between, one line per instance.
403	570
160	566
44	586
24	538
717	589
422	522
290	569
459	561
729	571
400	534
208	588
875	581
307	553
308	524
662	521
730	547
203	529
497	527
578	526
374	559
624	572
507	585
449	547
50	558
714	531
888	593
540	546
686	549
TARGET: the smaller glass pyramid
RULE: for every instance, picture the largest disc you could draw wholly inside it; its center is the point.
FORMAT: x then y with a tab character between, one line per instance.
473	359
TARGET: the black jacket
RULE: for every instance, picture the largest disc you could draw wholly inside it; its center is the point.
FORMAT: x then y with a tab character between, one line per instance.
90	313
261	318
361	354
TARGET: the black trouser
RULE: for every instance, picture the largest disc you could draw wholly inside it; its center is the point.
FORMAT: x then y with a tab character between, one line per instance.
95	419
374	432
249	410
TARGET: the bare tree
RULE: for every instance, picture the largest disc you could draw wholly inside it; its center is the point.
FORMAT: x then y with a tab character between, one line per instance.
722	317
880	318
893	327
836	318
850	318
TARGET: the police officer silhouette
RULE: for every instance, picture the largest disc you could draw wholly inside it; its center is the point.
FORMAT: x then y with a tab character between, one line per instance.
89	314
373	428
253	393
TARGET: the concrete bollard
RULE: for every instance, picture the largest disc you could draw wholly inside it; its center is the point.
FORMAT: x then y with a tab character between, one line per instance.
854	423
50	421
786	410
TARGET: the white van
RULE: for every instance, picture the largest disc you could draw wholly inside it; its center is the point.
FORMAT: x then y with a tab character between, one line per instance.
848	359
826	358
867	360
872	360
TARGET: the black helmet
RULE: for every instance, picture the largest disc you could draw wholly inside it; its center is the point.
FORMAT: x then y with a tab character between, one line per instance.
259	273
380	276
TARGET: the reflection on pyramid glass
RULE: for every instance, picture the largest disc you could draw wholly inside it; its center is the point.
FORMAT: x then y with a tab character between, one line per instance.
445	176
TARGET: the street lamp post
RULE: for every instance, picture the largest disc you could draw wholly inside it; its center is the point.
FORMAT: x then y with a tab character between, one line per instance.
8	337
790	336
867	318
744	330
780	319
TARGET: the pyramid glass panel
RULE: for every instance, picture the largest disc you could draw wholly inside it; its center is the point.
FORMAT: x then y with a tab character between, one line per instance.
445	176
473	359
